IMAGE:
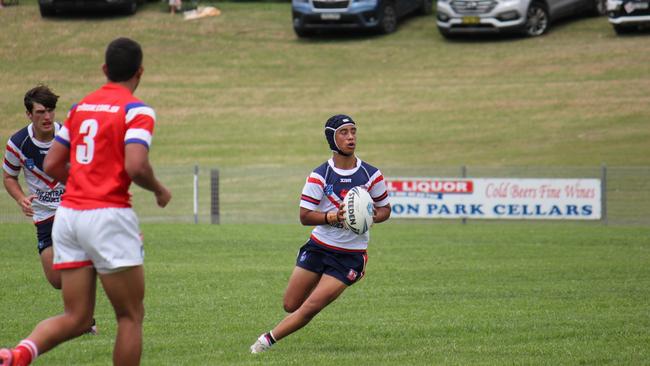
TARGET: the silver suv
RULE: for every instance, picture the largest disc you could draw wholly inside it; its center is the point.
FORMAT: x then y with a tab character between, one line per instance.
530	17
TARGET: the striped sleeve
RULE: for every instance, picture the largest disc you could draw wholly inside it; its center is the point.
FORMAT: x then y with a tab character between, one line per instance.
140	120
11	163
312	192
378	190
63	136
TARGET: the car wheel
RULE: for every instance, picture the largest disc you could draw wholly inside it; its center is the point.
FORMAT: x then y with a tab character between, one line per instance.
445	33
537	20
302	32
599	7
426	7
131	7
622	29
388	18
46	11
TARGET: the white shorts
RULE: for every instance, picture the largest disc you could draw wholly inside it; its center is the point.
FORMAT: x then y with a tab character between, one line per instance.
107	238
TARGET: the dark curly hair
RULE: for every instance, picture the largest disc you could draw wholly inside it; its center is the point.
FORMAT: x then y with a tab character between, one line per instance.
40	94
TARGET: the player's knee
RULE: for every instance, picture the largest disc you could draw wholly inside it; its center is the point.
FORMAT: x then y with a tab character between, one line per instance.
55	283
81	321
87	323
291	306
133	314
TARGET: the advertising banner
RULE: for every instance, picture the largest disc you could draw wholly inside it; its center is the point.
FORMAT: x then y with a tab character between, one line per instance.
495	198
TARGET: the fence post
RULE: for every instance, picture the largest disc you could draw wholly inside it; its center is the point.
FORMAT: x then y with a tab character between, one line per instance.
214	195
603	193
196	194
463	173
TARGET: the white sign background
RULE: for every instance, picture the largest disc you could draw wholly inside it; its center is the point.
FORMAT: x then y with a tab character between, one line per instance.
495	198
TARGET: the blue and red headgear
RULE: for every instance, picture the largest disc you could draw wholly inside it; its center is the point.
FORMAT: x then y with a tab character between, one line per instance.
332	125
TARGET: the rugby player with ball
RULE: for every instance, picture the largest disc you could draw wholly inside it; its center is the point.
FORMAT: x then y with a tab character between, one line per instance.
334	257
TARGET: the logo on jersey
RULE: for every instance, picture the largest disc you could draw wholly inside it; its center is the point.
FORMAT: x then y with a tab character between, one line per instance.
53	196
352	275
329	189
29	164
346	180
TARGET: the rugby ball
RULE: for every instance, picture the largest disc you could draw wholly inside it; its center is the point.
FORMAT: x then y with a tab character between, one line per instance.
358	210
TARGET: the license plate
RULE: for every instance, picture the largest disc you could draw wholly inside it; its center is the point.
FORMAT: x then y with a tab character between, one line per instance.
471	20
632	6
330	16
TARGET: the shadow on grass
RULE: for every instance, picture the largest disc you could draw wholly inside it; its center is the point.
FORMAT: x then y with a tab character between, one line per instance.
339	35
632	31
357	34
514	36
99	14
639	31
91	14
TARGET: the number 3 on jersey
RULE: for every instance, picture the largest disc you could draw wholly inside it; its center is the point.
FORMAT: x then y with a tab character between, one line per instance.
86	151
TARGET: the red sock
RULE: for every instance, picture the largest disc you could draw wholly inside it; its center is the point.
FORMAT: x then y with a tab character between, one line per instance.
25	353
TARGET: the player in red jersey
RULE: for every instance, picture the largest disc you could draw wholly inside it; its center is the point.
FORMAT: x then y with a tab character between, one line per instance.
105	141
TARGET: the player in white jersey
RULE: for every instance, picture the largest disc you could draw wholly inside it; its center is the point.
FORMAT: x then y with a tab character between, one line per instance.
26	150
333	258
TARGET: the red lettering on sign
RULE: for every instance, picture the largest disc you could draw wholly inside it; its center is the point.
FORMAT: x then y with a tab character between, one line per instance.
431	186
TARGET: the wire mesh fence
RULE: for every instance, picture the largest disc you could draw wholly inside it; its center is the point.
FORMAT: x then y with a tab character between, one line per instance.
270	194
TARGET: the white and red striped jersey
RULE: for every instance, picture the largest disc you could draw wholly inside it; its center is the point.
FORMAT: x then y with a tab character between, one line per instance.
324	191
96	131
25	152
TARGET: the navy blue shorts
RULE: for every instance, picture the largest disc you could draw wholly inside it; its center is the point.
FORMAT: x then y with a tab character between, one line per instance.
44	235
347	267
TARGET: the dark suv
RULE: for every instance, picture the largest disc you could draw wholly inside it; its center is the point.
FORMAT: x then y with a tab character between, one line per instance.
50	7
628	15
310	16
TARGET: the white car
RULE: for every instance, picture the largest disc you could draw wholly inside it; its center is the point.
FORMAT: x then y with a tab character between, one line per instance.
530	17
628	15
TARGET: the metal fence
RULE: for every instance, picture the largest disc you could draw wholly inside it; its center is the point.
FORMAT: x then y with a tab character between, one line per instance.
270	194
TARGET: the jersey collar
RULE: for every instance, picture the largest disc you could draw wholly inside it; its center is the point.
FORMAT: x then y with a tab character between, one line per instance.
39	143
344	172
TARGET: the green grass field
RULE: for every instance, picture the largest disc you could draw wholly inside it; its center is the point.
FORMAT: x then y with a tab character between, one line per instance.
241	89
241	93
434	294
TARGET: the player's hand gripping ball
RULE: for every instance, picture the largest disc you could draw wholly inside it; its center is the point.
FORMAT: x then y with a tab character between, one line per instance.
358	210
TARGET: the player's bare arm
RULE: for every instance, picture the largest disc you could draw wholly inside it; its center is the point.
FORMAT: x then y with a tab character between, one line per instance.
16	191
56	162
136	163
312	218
381	214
